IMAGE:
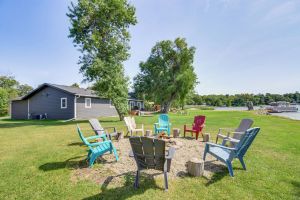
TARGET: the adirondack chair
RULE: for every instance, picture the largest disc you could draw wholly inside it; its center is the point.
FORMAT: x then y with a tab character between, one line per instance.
163	124
227	154
150	154
98	148
99	130
197	127
238	133
131	126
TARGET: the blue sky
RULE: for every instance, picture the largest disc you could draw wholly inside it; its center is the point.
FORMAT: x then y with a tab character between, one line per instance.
241	46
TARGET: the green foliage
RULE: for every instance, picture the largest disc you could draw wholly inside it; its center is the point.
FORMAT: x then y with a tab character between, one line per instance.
75	85
100	29
3	101
168	74
10	88
24	89
242	99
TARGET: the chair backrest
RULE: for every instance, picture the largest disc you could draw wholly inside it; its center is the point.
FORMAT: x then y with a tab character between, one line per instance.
198	122
81	136
245	124
128	123
163	120
149	153
246	141
133	124
95	124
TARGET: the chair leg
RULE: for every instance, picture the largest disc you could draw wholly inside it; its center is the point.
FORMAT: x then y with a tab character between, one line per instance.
197	135
115	153
217	139
92	160
242	162
89	154
229	166
137	177
166	181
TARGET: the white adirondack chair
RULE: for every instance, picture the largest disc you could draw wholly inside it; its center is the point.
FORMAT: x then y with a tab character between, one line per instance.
131	126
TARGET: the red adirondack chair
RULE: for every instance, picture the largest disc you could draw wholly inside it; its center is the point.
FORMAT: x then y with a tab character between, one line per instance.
197	126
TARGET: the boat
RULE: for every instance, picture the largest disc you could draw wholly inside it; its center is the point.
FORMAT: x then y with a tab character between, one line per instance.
281	106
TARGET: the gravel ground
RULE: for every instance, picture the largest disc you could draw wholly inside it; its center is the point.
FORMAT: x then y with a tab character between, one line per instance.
186	148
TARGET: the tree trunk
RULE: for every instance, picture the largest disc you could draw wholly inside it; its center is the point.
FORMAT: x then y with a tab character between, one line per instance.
121	115
166	107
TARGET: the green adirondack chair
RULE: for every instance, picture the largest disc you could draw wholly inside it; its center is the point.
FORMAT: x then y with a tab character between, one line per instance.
227	154
98	148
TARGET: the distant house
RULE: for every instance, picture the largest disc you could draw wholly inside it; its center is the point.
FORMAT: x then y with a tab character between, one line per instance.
134	103
61	102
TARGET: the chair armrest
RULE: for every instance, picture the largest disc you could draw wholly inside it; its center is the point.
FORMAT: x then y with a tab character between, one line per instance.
239	133
98	130
230	139
222	136
171	153
93	137
100	143
217	145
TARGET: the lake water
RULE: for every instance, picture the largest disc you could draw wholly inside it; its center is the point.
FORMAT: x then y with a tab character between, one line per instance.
291	115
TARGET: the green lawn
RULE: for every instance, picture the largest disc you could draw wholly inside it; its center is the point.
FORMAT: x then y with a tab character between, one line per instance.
38	159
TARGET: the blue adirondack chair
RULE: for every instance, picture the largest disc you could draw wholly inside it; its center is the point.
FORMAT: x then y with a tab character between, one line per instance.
227	154
98	148
163	124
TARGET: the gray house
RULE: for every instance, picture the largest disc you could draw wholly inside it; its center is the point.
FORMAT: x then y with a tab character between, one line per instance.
61	102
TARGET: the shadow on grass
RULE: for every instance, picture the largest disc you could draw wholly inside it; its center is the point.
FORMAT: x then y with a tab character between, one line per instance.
127	190
22	123
76	144
219	171
296	184
71	163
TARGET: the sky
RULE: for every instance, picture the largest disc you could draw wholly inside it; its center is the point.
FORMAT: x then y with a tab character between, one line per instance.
241	46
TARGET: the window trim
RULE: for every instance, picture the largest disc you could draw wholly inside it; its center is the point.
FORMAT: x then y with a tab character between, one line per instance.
61	103
85	103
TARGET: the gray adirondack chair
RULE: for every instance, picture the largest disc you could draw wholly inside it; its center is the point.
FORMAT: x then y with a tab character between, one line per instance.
99	130
150	153
227	154
238	133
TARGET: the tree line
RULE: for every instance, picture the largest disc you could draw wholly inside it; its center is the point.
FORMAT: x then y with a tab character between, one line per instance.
10	88
241	99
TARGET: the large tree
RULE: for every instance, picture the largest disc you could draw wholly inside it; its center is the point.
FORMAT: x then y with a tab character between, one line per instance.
100	29
168	74
10	88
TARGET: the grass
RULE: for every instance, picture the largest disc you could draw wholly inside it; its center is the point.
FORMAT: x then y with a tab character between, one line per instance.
38	159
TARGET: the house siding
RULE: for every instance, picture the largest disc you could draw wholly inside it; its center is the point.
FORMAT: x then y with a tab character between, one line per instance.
48	101
19	109
100	108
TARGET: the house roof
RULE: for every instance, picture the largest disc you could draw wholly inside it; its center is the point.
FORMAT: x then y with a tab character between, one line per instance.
69	89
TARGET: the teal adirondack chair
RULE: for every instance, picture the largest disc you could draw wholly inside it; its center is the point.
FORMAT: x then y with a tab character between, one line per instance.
227	154
98	148
163	124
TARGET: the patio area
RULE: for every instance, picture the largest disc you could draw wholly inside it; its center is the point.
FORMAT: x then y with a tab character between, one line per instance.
186	149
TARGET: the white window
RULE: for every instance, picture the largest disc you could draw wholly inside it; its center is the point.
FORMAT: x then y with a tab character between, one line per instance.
63	103
88	102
